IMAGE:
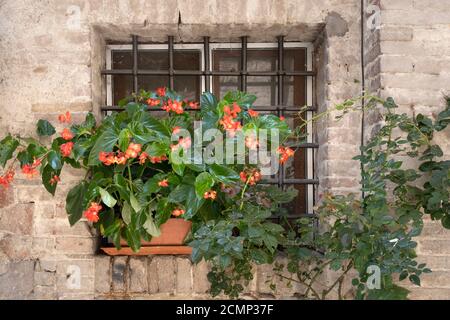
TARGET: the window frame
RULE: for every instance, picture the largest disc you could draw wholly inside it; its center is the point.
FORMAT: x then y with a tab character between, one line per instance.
208	86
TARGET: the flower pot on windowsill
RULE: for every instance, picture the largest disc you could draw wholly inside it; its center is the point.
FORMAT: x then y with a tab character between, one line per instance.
171	241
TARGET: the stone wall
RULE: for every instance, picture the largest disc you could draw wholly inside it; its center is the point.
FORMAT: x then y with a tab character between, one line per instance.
52	52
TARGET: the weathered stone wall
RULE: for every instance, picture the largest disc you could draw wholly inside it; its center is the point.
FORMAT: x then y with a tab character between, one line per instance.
51	55
413	60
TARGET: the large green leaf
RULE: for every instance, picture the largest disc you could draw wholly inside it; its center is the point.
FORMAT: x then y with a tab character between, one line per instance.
74	202
135	203
203	183
180	193
223	173
105	142
47	174
151	227
124	139
45	128
107	198
126	213
7	147
54	160
133	237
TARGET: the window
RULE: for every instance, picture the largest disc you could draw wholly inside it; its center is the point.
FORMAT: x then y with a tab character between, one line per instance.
265	69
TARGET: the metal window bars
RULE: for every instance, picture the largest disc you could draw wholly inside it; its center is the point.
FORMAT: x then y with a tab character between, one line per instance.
243	73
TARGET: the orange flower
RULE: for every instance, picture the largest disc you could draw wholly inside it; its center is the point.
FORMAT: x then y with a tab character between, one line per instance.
67	117
120	158
251	177
7	178
185	143
153	102
174	105
106	157
158	159
193	105
232	112
29	171
177	212
161	91
243	176
66	149
163	183
175	130
54	180
211	194
92	212
66	134
230	125
285	153
282	118
251	142
133	150
253	113
143	157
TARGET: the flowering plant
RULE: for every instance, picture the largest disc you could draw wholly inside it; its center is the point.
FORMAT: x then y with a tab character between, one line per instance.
142	169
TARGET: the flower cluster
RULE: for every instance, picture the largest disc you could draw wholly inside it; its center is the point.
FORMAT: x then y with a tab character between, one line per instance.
211	194
184	143
228	120
153	102
91	213
54	180
66	134
173	105
285	153
109	158
29	170
65	117
251	176
7	178
163	183
177	212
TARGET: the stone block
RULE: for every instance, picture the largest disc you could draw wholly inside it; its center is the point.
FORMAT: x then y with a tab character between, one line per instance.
184	275
18	219
200	274
118	273
103	274
166	273
138	274
17	282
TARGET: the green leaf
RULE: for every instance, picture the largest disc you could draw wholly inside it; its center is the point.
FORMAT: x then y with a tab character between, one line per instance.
47	174
107	198
7	147
54	160
403	275
126	213
180	193
105	142
74	202
133	238
414	279
124	139
134	203
178	168
45	128
203	183
151	227
446	221
223	173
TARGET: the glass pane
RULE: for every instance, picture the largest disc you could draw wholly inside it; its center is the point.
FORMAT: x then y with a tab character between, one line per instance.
188	86
262	60
122	85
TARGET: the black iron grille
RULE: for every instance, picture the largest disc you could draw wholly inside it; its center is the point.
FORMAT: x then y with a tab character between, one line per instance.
207	73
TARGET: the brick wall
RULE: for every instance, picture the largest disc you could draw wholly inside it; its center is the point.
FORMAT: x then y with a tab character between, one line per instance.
52	53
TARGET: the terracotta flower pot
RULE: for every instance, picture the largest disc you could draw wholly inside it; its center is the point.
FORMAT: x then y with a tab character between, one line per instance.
173	233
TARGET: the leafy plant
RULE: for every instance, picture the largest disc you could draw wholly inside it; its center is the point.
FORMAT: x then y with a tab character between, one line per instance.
377	230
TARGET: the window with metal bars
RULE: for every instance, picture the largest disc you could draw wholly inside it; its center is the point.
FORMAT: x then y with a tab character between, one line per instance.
279	74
